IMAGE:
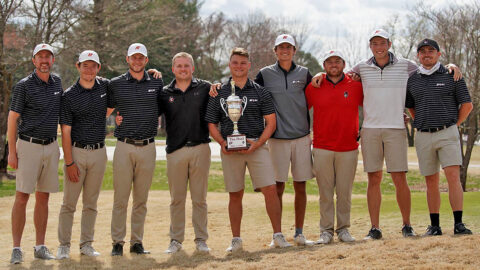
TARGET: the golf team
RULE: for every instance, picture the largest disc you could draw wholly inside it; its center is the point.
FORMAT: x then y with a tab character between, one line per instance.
275	121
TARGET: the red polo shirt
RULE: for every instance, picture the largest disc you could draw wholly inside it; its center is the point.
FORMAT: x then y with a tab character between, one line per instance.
335	114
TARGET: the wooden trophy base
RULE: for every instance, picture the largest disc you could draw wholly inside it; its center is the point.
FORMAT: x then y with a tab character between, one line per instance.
237	143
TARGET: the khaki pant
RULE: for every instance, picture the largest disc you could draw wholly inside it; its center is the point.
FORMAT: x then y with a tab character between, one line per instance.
335	171
188	166
91	164
132	166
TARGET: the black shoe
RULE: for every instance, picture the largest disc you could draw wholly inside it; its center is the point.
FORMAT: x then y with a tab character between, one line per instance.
461	229
407	231
117	250
138	249
374	233
433	231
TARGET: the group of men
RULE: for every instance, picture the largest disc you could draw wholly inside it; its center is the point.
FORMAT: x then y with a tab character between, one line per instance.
277	111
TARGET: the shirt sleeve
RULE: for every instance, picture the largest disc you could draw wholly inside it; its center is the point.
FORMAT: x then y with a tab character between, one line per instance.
18	98
267	106
409	101
412	67
213	110
66	115
461	92
259	79
309	96
309	80
356	69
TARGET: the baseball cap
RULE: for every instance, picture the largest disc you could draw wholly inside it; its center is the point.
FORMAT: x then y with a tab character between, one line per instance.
379	33
89	55
428	42
333	53
284	38
137	48
42	47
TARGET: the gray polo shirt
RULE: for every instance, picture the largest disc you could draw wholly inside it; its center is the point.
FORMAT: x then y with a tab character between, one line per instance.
288	92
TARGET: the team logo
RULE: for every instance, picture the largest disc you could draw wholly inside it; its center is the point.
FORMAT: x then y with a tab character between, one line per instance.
44	46
56	93
253	100
440	84
378	31
331	52
103	95
171	99
90	54
285	37
137	48
425	42
150	90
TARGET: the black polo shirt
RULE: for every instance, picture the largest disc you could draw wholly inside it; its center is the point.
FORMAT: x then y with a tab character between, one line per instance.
38	104
85	110
435	98
185	114
137	102
259	104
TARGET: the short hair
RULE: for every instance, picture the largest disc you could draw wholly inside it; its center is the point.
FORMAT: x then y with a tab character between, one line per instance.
182	54
240	51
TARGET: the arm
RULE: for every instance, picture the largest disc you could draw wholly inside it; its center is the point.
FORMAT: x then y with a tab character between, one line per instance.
72	169
155	73
317	79
457	75
109	111
215	133
270	126
12	138
463	112
412	113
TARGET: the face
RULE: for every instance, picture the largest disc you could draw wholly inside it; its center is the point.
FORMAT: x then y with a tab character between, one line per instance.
239	66
137	62
428	56
183	68
43	61
88	70
379	47
285	52
334	66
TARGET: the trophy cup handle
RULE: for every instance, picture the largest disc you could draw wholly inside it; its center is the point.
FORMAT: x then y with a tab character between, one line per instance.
222	104
244	101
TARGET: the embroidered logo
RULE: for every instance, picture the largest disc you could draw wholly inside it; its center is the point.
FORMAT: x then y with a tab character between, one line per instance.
253	100
285	37
103	95
171	99
151	90
137	48
440	84
196	93
56	93
90	54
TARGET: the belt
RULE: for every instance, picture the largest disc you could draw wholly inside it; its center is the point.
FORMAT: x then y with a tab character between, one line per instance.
36	140
432	130
192	143
137	142
94	146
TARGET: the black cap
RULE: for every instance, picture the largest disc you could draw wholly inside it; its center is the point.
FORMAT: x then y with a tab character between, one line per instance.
428	42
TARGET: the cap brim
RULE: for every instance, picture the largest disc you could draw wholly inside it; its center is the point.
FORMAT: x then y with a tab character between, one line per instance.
130	54
48	50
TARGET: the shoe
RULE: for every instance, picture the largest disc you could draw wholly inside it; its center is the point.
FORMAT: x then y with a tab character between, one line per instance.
117	250
174	247
407	231
325	238
374	233
202	246
344	236
88	250
63	252
279	241
433	231
301	240
236	245
43	253
138	249
17	256
461	229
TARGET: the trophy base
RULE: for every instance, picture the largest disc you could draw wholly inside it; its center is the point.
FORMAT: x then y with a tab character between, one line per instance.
237	142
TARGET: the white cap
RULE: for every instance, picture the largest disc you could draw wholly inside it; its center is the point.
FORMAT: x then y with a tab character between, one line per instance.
137	48
88	56
284	38
42	47
333	53
379	33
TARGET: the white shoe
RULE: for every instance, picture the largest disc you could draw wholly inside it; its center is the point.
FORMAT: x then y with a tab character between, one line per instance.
88	250
325	238
236	245
63	252
279	241
301	240
202	246
344	236
174	247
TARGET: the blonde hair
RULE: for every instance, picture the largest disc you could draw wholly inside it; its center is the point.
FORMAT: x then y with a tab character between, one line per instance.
240	51
182	54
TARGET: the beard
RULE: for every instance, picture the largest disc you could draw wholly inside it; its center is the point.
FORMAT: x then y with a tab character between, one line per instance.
334	73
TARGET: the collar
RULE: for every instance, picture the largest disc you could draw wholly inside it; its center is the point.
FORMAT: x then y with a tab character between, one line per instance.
81	89
392	59
442	70
292	67
341	79
171	86
40	81
129	77
248	84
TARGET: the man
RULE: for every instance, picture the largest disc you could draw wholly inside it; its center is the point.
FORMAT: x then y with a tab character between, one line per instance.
335	108
36	102
82	118
438	105
184	102
135	95
258	124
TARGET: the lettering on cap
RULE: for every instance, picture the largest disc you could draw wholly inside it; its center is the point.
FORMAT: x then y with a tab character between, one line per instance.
90	54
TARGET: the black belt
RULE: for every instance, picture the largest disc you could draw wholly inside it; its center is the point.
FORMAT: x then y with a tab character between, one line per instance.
137	142
192	143
432	130
94	146
36	140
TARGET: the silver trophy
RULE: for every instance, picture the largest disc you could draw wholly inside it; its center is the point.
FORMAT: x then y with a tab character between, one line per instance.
234	110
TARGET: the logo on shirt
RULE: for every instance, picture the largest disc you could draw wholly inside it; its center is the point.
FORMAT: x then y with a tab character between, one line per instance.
196	93
103	95
297	82
440	84
56	93
253	100
171	99
151	90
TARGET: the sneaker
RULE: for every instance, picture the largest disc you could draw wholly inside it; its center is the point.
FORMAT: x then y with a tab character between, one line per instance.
301	240
407	231
236	245
325	238
117	250
174	247
43	253
374	233
202	246
461	229
279	241
138	249
17	256
344	236
63	252
89	251
433	231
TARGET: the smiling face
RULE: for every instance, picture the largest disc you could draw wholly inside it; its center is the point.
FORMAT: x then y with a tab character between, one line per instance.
43	61
88	70
334	66
183	69
137	62
379	47
239	66
428	56
285	52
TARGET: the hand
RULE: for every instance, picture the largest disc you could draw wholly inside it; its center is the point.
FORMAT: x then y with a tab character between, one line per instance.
457	75
73	173
354	76
13	160
118	119
253	146
317	80
224	147
213	89
155	73
406	119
